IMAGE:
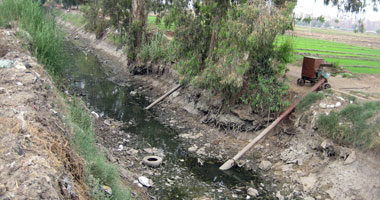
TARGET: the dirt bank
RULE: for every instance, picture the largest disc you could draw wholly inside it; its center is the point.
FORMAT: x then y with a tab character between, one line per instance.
301	162
36	160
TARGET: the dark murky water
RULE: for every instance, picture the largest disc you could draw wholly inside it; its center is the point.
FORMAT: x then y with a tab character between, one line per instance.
186	176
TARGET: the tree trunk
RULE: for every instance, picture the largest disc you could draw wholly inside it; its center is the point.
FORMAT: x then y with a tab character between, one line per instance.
139	20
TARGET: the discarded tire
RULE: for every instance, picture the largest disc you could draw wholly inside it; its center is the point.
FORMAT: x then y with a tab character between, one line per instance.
152	161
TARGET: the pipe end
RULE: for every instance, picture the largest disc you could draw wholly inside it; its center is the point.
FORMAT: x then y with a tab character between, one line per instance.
227	165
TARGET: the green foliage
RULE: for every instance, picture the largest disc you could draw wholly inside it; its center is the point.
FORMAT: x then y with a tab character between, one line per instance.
78	119
46	41
75	19
355	125
234	56
153	49
308	101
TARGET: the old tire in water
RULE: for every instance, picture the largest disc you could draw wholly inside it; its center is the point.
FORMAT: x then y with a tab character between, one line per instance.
152	161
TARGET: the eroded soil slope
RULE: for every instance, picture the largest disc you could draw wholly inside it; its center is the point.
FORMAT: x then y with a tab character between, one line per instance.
36	161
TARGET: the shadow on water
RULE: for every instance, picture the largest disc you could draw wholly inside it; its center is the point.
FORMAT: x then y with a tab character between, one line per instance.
86	78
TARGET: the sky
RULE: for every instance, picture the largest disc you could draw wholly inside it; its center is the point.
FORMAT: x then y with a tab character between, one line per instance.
317	8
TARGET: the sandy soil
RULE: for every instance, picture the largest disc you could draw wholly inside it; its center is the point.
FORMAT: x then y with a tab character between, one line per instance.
365	87
36	161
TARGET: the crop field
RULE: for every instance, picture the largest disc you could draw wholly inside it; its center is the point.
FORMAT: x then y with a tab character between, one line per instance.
357	58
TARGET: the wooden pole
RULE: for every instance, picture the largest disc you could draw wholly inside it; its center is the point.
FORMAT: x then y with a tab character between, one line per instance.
230	163
163	96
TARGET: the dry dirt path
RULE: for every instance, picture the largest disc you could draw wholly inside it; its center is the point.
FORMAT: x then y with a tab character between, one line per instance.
365	87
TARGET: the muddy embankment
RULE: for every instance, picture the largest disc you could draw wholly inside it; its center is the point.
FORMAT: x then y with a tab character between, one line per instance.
36	159
296	160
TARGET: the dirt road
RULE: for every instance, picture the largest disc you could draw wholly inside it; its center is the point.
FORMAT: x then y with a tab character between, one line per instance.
365	87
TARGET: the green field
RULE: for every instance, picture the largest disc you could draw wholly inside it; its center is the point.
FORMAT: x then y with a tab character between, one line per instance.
356	59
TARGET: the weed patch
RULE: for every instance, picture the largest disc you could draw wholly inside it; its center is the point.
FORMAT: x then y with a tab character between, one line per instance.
46	37
356	124
308	100
79	121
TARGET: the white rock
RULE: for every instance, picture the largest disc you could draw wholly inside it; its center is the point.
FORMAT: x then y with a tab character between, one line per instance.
193	148
338	104
145	181
133	93
120	148
265	165
19	83
253	192
308	182
2	90
350	159
330	106
341	98
323	105
19	65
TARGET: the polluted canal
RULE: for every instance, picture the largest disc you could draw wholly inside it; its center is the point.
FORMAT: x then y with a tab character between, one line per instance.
182	175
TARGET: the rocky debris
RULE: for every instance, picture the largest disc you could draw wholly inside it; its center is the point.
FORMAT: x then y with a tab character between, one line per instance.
191	135
351	158
228	122
265	165
67	188
328	148
308	182
35	152
193	148
253	192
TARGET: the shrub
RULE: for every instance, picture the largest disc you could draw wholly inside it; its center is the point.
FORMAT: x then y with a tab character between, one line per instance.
308	100
356	124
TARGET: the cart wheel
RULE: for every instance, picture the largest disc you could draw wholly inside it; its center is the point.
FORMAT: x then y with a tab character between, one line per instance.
326	86
321	87
300	82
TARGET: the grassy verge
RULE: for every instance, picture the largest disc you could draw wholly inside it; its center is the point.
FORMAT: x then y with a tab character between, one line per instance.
308	100
357	125
79	121
46	45
46	41
75	19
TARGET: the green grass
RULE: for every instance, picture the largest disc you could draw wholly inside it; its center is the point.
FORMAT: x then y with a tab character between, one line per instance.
362	56
308	100
160	25
78	119
46	44
75	19
355	125
46	37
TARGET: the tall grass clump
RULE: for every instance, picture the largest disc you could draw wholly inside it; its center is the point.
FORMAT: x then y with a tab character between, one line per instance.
308	100
80	123
46	39
357	125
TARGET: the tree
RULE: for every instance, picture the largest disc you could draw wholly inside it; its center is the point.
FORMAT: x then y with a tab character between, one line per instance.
354	6
359	27
378	31
229	47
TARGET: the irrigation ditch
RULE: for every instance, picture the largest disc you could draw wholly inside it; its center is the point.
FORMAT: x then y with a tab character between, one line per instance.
184	174
196	138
